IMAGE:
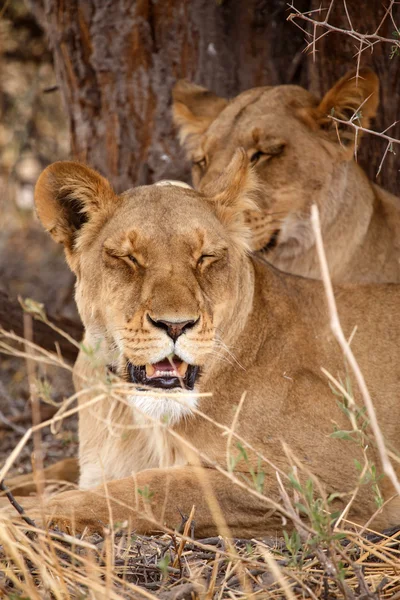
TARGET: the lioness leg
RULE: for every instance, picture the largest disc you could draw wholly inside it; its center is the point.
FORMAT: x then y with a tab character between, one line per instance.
66	470
159	497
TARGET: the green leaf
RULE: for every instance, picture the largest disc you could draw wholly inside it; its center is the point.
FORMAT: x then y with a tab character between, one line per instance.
294	482
303	509
163	564
242	451
342	435
146	493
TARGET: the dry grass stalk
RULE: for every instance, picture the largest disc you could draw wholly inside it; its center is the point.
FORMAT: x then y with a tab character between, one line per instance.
120	565
348	353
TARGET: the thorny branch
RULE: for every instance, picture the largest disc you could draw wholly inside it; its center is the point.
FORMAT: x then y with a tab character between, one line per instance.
365	39
314	20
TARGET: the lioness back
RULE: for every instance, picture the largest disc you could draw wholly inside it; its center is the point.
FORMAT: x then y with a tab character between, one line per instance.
302	157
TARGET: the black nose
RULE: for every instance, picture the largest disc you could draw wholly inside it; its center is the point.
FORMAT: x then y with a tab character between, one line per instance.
174	329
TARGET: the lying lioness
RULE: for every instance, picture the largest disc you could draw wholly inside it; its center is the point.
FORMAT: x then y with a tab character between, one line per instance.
172	300
303	157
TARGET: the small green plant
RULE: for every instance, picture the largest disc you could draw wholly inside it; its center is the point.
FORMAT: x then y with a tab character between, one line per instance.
370	476
44	390
257	475
317	510
90	351
146	494
293	545
358	435
163	564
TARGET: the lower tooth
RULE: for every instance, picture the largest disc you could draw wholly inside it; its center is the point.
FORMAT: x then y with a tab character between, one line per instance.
165	374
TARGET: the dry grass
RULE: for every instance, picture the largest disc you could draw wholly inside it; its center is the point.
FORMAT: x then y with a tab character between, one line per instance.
124	565
319	558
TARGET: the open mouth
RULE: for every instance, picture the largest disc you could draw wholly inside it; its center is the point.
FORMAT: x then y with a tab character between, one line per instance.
172	372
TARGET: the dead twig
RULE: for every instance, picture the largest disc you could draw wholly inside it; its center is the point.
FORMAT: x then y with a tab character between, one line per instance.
15	504
365	38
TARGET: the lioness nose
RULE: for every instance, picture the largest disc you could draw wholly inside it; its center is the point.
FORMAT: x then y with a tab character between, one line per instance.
173	328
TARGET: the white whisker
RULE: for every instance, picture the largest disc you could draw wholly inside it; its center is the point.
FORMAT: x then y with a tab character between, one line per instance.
226	349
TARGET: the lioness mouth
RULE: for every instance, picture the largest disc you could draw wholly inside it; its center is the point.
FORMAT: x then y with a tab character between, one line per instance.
167	374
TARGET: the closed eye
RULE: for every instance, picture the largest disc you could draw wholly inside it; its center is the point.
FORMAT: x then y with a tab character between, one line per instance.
269	152
201	162
120	255
256	156
133	260
208	259
204	257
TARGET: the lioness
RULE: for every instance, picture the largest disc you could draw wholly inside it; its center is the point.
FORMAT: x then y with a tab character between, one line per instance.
302	157
172	300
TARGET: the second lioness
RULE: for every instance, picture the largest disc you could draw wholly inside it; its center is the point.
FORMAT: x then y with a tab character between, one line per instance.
302	157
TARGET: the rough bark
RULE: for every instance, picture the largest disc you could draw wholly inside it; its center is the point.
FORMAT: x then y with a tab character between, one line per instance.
116	63
11	319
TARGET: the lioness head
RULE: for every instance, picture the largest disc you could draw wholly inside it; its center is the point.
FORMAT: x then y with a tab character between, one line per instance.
299	152
161	283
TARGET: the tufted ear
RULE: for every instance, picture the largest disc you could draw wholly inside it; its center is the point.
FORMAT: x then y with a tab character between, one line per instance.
67	196
232	195
194	109
351	94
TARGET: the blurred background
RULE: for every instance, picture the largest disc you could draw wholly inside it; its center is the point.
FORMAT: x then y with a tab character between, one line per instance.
33	133
92	79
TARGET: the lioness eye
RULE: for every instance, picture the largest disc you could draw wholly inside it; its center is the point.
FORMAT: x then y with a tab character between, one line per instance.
133	259
273	151
203	258
200	163
256	156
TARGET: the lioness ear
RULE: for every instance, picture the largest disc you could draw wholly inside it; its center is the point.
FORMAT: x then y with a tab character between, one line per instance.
234	193
69	194
194	108
352	94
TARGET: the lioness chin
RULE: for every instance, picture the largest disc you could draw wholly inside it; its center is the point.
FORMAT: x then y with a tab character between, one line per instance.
172	300
302	157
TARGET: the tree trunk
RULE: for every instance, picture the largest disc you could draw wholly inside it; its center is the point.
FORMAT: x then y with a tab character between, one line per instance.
116	63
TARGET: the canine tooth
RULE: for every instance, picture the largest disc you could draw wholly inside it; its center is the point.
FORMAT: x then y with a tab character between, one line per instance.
150	370
183	367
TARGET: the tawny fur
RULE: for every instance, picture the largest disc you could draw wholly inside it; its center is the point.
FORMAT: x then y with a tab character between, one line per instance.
259	332
306	159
